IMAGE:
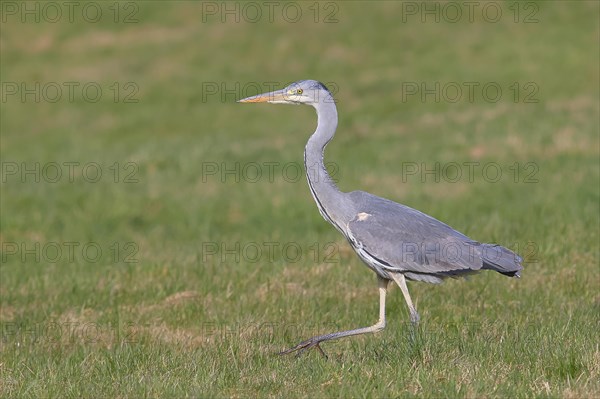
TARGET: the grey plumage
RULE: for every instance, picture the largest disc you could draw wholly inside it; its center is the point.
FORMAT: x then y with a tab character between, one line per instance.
395	241
426	249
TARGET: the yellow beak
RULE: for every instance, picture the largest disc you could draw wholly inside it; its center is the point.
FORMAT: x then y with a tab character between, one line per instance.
278	96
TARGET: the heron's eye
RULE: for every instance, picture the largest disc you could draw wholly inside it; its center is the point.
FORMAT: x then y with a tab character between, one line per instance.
299	91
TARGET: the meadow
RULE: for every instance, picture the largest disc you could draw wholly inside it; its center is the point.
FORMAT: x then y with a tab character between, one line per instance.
159	239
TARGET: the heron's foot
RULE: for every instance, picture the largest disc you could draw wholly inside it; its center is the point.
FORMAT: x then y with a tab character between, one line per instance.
305	345
414	317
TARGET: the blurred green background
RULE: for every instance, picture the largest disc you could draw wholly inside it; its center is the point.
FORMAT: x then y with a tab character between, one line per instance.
142	254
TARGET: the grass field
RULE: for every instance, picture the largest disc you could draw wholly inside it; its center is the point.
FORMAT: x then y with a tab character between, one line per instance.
159	239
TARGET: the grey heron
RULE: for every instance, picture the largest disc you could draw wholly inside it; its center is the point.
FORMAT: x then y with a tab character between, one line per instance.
397	242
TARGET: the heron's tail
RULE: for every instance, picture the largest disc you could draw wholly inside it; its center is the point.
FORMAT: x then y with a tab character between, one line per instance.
502	260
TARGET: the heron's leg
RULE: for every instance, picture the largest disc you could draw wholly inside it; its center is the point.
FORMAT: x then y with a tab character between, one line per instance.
401	281
380	325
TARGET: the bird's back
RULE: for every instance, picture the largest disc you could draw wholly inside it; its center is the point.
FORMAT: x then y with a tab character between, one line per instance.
391	237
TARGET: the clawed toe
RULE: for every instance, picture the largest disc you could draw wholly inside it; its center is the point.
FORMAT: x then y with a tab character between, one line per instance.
414	318
303	346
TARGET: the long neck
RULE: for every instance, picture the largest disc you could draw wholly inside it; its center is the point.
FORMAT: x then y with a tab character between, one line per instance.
329	199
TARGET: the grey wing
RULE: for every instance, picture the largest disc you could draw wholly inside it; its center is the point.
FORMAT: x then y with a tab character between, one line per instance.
392	237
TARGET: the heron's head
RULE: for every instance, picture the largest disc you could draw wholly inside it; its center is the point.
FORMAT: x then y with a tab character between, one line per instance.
301	92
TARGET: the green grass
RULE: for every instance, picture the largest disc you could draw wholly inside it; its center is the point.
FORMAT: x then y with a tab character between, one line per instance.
195	316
